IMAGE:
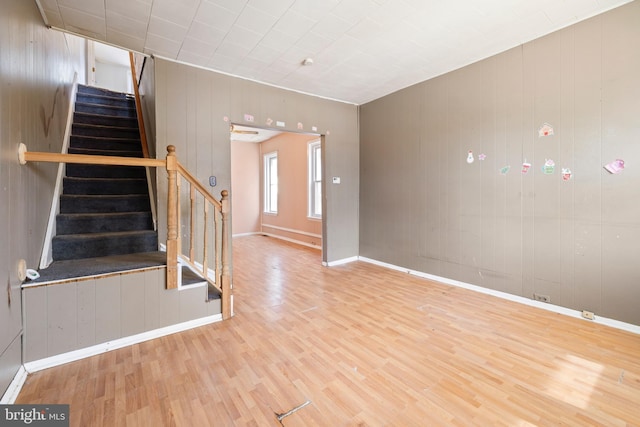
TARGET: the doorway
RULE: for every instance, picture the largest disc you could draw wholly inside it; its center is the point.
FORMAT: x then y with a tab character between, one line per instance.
276	177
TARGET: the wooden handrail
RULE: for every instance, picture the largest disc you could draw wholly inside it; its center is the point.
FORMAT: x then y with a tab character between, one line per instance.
136	93
88	159
201	188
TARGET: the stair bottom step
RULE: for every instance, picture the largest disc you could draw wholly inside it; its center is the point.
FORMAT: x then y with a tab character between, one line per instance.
72	269
91	245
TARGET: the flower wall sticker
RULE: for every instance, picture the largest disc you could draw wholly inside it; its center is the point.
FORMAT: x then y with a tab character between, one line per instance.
545	130
482	156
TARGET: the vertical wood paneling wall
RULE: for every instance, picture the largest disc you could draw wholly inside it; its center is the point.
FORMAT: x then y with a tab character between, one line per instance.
37	68
79	314
191	104
423	207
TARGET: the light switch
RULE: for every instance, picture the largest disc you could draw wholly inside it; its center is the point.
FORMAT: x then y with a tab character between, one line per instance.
212	181
336	180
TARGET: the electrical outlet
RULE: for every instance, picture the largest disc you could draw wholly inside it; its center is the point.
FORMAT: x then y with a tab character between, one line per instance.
588	315
542	298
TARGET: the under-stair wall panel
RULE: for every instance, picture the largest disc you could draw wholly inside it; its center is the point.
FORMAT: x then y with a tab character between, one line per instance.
514	221
60	318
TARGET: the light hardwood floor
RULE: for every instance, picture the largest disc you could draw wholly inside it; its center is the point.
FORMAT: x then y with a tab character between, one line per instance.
365	346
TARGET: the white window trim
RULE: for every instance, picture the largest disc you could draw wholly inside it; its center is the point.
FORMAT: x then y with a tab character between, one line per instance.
313	145
267	183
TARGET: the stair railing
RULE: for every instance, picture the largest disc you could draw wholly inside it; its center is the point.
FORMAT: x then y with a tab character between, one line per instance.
221	208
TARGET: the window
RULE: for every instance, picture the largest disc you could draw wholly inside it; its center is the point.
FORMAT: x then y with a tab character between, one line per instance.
271	183
315	180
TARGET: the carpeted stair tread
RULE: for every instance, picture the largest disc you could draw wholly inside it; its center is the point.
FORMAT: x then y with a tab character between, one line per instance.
95	90
104	119
105	100
71	203
92	186
104	143
72	223
98	152
110	110
83	129
106	171
69	269
90	245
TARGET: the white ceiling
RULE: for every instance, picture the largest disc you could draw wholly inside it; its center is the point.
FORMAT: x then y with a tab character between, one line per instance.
362	49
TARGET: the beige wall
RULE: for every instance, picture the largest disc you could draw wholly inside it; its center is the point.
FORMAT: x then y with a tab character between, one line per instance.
37	68
423	207
245	176
291	221
191	107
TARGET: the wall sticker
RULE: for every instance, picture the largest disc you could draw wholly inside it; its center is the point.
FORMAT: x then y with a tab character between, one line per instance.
505	170
525	166
482	156
549	167
470	157
615	167
269	121
566	174
545	130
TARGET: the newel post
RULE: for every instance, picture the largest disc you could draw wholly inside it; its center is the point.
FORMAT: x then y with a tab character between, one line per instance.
172	218
226	257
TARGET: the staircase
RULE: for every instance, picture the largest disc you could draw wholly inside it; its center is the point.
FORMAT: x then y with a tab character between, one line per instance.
104	210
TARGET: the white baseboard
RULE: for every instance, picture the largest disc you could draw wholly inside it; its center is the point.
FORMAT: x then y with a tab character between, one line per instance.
72	356
12	392
515	298
340	261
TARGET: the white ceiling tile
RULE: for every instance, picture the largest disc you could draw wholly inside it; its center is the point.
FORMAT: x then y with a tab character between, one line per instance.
83	23
180	12
120	39
313	42
91	7
264	54
272	7
313	8
159	45
135	9
166	29
255	20
243	37
126	25
332	26
49	5
294	24
353	11
234	6
215	16
206	32
233	50
278	40
192	58
198	46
